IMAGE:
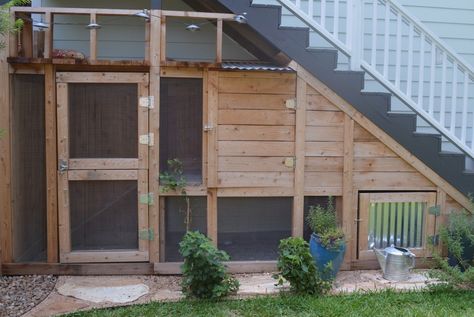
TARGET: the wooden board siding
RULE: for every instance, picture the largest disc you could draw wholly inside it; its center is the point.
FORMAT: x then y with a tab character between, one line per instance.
256	131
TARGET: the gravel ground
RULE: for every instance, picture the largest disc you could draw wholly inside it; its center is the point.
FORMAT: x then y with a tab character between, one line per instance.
19	294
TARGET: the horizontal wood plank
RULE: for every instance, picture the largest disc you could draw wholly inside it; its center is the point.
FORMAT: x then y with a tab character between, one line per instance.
318	102
372	149
255	148
256	192
257	117
335	133
77	269
255	179
323	179
399	180
252	164
253	101
104	256
361	134
92	164
101	77
323	164
381	164
275	86
100	175
324	148
256	133
324	118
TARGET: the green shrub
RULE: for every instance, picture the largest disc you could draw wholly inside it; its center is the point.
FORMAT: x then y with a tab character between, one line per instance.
323	222
296	265
456	236
204	274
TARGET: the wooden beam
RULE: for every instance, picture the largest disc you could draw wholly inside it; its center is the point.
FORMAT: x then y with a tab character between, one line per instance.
212	123
78	269
300	144
12	39
93	38
212	214
163	39
72	11
219	41
348	215
51	164
198	15
88	77
155	221
5	160
48	36
442	219
382	136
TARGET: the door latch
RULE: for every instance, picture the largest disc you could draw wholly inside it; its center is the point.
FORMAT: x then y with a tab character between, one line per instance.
63	166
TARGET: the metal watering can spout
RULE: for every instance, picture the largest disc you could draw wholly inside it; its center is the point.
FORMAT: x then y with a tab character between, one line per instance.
381	257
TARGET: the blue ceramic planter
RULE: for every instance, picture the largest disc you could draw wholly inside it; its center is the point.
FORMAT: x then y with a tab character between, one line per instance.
323	256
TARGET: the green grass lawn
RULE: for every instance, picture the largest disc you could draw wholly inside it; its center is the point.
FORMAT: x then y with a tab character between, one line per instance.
387	303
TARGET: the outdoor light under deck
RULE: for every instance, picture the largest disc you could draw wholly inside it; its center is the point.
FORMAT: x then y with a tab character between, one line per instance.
241	18
143	14
93	26
193	28
40	25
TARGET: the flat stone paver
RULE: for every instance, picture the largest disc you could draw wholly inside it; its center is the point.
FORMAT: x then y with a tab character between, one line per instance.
73	293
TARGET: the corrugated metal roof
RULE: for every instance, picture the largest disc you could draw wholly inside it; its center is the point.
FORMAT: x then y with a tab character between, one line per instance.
255	66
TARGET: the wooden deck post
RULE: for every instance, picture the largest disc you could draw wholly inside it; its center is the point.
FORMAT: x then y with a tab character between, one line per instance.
154	127
348	209
300	141
5	163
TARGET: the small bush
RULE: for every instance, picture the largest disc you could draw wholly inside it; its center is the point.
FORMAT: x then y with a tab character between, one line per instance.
296	265
204	274
457	236
323	222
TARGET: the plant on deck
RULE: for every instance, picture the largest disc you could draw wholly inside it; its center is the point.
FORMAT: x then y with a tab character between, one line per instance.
174	180
458	236
7	26
296	265
204	274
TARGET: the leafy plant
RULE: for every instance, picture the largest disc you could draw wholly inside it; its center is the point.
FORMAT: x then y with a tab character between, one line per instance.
458	237
323	222
204	274
296	265
174	180
8	26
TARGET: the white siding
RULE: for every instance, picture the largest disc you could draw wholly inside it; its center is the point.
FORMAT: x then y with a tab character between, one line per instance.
124	37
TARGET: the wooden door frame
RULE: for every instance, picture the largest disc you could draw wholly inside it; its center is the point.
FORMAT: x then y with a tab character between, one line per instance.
101	169
366	198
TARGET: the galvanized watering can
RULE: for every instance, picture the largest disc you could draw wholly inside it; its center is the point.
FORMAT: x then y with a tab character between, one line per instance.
395	262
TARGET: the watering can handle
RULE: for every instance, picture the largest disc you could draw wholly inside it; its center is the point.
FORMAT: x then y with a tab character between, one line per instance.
412	257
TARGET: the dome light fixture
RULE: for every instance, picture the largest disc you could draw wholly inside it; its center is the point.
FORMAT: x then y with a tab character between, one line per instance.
143	14
241	18
93	26
193	28
40	25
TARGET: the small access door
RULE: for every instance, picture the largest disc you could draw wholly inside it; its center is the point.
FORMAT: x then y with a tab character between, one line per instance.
102	167
404	219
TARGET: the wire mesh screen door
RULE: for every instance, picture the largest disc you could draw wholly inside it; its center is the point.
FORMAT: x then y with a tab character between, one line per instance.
402	219
103	145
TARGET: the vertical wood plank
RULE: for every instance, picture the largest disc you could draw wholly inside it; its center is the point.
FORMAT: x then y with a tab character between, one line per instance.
143	245
300	137
63	183
5	152
27	38
348	215
48	35
51	163
442	219
163	39
212	113
93	38
162	237
212	214
219	41
147	40
205	118
12	39
154	219
142	126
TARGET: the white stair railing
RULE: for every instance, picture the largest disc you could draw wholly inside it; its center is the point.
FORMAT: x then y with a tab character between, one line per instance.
382	38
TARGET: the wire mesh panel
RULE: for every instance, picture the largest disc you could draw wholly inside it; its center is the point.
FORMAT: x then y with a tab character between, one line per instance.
398	223
181	125
103	120
104	215
175	227
28	168
251	228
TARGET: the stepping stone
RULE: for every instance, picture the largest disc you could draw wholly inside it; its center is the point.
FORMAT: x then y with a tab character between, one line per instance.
104	289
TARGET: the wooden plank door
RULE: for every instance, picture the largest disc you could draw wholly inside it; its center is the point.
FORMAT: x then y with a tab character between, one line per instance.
402	219
103	145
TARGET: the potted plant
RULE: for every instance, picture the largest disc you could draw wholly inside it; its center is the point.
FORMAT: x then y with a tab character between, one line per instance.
327	244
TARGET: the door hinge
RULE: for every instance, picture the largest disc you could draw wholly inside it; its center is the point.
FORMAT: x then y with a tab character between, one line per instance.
434	239
146	234
147	139
435	210
290	162
147	199
63	166
291	104
147	102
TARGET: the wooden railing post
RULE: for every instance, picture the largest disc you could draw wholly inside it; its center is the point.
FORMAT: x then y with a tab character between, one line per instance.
93	37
